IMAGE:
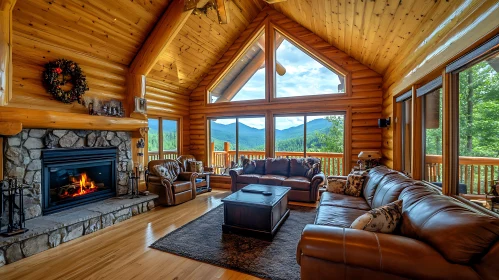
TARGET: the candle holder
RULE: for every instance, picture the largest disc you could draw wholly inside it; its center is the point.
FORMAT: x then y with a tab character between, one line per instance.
13	189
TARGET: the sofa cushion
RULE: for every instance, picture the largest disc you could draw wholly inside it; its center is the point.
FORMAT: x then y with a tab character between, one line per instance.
260	166
277	166
383	219
458	232
249	166
248	178
274	180
342	200
389	189
297	183
337	216
374	177
297	167
313	165
181	186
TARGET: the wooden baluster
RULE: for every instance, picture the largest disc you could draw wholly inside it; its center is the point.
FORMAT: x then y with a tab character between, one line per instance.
486	187
338	172
466	176
479	182
472	175
227	155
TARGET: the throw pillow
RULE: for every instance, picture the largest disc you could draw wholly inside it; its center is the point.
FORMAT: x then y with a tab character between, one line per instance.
196	166
313	165
249	166
383	219
355	183
159	170
336	185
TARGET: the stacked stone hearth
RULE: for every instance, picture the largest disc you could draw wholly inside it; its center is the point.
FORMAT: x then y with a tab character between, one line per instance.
23	152
22	159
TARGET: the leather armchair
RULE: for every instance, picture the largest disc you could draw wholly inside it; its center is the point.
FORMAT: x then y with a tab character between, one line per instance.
180	190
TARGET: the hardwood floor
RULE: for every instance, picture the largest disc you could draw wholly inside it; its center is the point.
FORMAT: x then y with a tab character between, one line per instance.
122	251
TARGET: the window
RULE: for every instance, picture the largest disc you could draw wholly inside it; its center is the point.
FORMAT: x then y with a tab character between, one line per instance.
246	78
231	138
300	74
162	139
478	127
317	135
406	126
431	95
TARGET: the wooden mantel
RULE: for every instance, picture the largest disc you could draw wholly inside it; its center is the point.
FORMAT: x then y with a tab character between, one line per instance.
60	120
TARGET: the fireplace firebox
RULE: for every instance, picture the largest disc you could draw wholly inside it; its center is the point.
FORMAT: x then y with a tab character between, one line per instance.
72	177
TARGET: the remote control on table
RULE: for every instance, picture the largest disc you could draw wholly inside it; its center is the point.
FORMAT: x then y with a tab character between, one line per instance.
256	191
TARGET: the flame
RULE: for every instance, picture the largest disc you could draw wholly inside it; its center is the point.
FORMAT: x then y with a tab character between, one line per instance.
83	188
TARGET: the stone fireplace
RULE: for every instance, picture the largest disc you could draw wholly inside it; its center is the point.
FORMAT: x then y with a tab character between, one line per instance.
23	159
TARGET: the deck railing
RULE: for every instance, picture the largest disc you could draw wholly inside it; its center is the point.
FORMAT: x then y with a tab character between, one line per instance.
154	155
331	163
477	173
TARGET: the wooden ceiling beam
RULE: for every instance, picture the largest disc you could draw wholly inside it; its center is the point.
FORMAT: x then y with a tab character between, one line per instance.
274	1
223	11
161	36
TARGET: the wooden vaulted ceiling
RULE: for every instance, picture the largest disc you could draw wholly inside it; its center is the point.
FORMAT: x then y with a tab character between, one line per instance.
200	44
374	32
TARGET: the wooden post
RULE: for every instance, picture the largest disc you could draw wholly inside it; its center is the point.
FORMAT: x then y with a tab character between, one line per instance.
227	156
6	7
160	138
212	154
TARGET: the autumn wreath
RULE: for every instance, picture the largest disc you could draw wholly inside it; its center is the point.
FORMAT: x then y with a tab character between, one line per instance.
71	73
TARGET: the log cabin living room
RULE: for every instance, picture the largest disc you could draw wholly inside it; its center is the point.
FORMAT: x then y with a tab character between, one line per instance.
249	139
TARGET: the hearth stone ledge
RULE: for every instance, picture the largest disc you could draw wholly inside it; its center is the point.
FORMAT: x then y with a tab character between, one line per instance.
50	231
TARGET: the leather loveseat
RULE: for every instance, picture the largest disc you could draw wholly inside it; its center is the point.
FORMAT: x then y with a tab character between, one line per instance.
281	172
181	190
439	237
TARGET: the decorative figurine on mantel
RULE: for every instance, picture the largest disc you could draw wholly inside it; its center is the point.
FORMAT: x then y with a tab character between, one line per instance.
112	108
12	189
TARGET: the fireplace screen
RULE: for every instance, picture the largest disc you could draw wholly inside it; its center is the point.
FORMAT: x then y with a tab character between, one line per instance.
77	176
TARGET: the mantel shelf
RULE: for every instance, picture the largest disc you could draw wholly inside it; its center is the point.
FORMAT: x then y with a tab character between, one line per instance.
60	120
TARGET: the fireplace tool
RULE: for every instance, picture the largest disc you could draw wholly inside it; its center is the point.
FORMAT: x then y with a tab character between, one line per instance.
133	178
10	188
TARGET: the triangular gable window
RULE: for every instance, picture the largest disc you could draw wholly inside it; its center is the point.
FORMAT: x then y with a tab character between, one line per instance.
304	75
245	80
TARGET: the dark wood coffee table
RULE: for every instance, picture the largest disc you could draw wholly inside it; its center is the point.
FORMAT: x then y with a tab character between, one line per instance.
255	214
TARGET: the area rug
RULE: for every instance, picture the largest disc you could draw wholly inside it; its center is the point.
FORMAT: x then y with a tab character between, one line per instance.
202	240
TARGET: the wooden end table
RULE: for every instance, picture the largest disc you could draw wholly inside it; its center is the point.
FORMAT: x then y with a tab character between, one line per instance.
204	186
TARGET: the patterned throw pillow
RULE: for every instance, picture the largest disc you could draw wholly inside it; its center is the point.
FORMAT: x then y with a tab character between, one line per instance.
336	185
383	219
355	183
249	166
313	165
196	166
159	170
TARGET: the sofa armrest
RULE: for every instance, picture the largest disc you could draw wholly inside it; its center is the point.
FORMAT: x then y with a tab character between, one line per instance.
233	176
315	182
189	176
385	253
162	187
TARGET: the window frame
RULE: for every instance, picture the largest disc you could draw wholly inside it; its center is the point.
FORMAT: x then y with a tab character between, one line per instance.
401	99
236	117
270	27
160	136
346	120
423	91
319	57
452	70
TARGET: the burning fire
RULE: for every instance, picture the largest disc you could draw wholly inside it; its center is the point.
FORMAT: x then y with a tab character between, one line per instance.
77	188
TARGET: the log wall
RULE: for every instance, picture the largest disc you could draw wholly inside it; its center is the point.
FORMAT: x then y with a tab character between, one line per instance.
362	103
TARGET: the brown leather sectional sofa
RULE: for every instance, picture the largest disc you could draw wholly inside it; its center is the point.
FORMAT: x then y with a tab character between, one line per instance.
280	172
439	237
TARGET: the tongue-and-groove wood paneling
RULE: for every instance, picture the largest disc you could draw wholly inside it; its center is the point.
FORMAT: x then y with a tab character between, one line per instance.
363	105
